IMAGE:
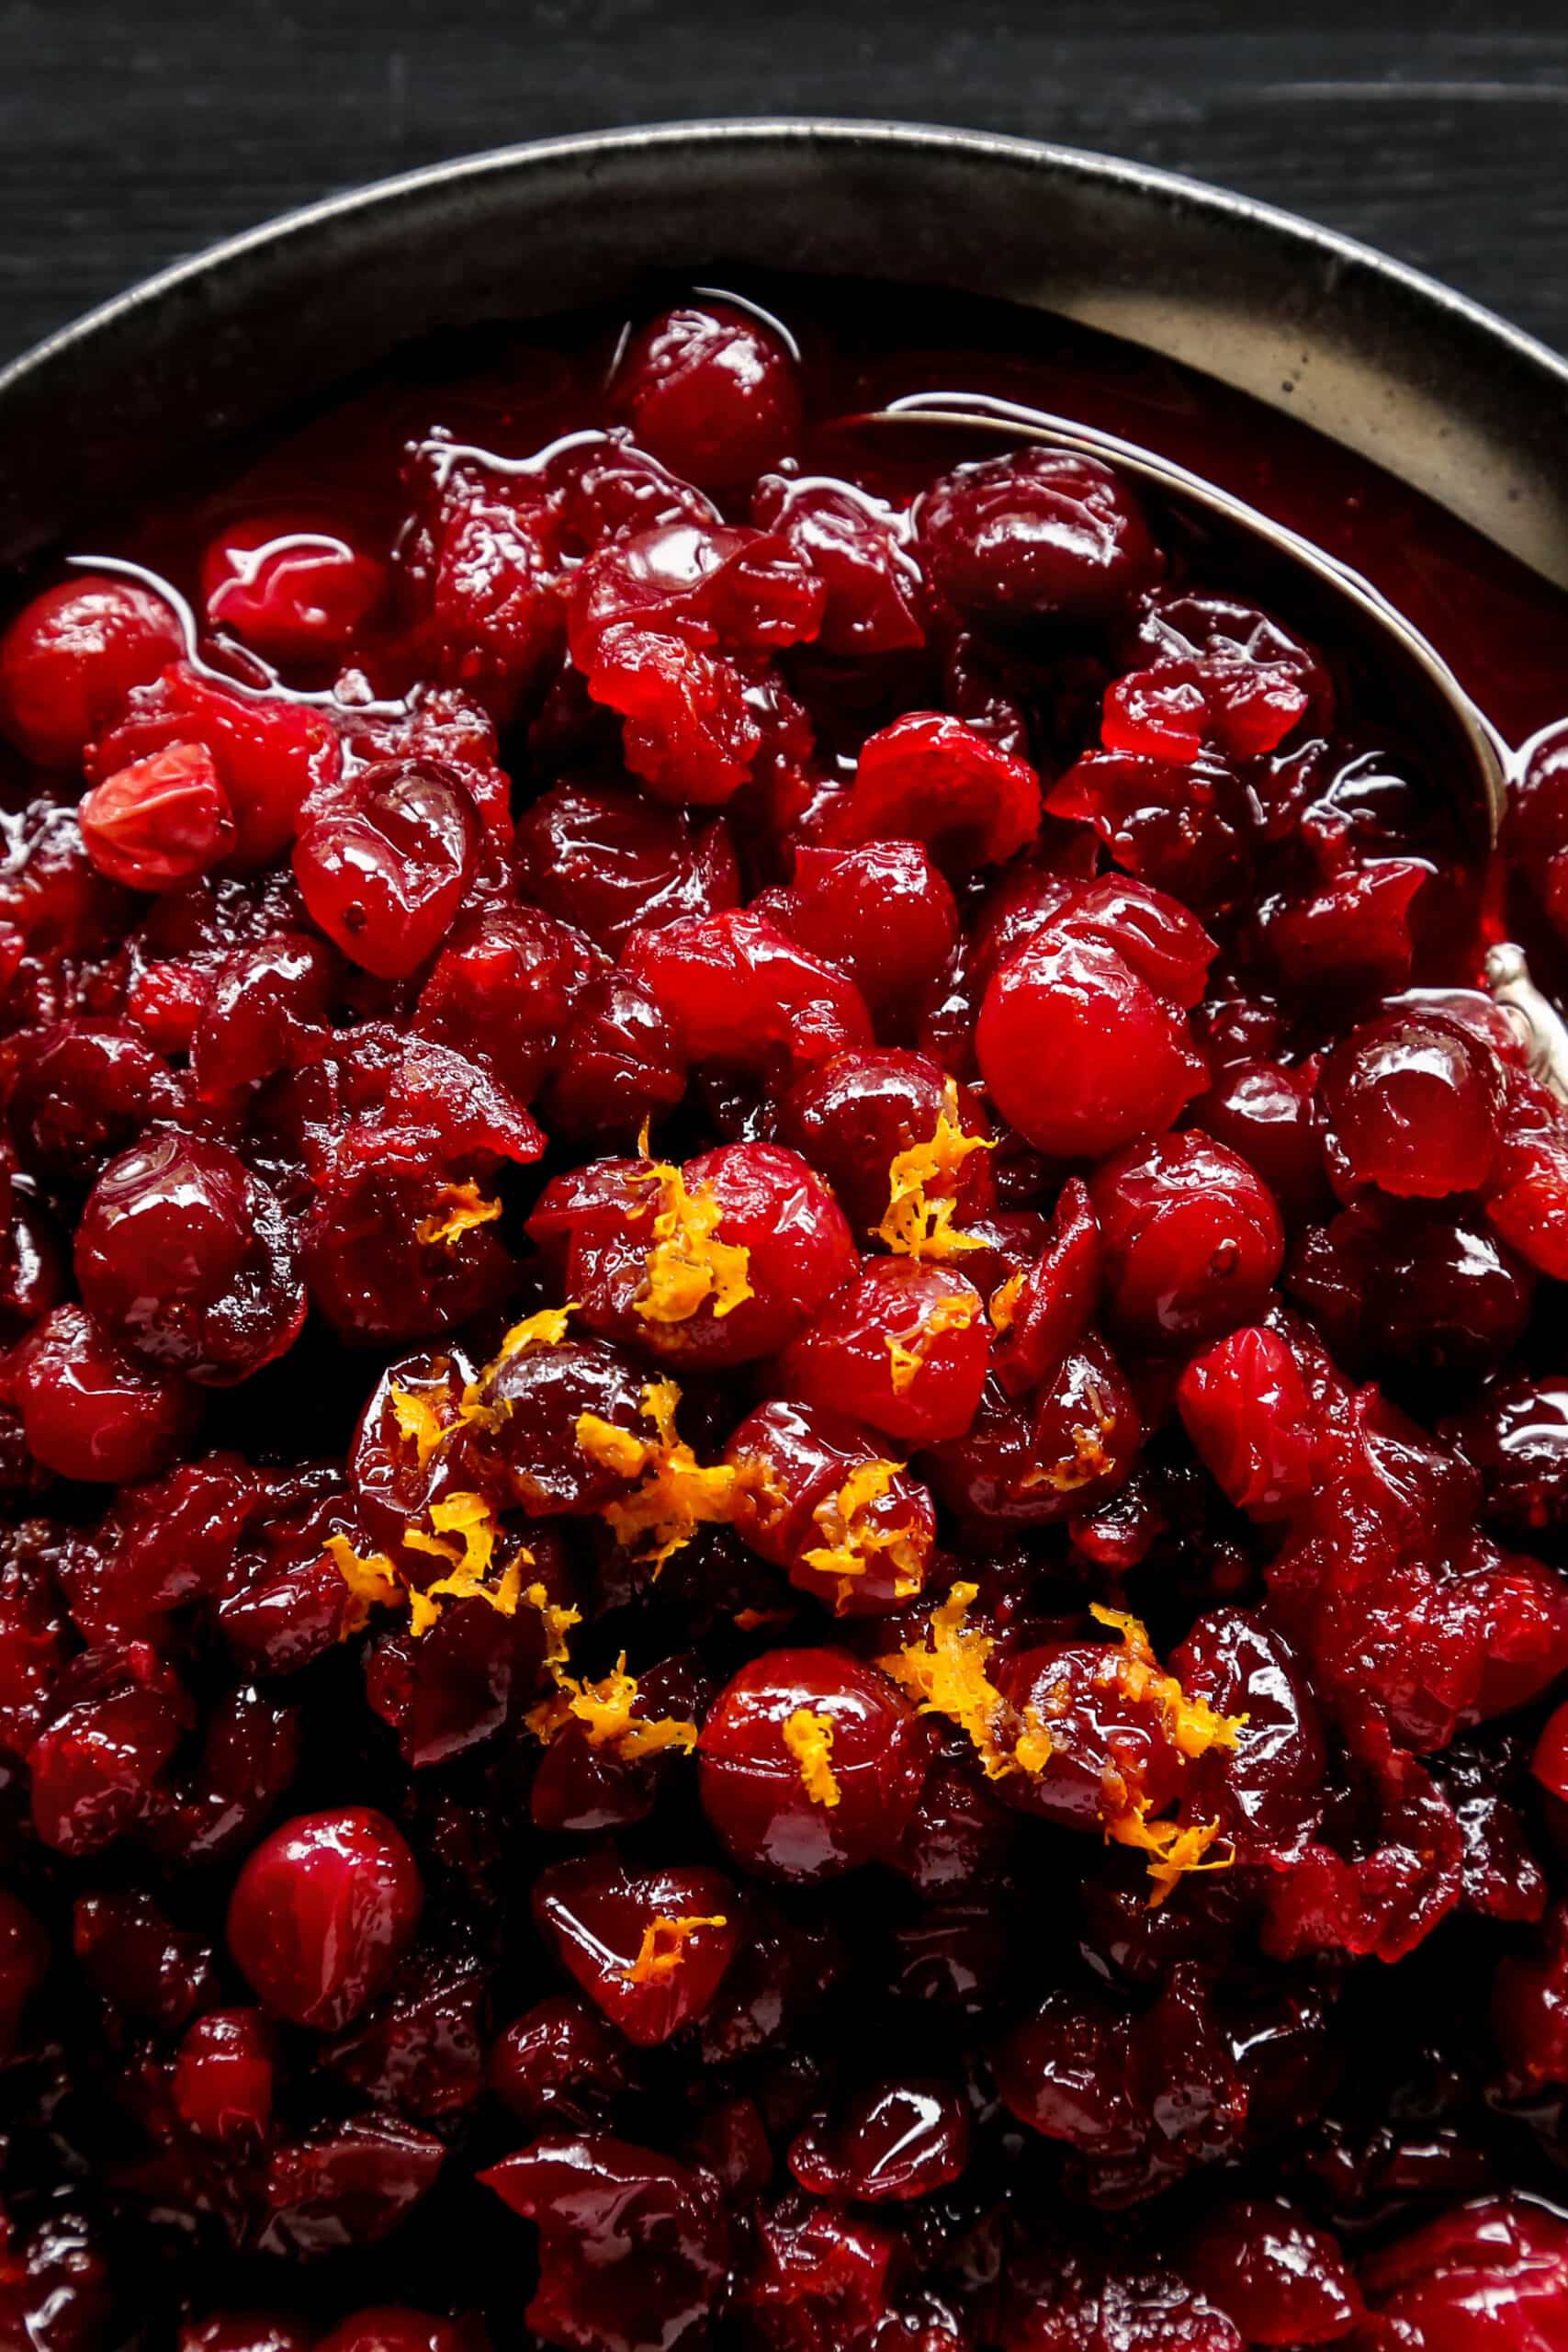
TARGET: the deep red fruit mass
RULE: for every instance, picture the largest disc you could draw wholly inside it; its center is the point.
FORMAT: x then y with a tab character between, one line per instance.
786	1455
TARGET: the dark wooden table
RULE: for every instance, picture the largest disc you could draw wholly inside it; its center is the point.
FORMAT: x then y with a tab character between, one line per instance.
135	130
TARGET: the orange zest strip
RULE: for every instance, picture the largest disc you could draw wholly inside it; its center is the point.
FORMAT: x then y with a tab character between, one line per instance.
687	1268
914	1224
459	1208
663	1947
809	1739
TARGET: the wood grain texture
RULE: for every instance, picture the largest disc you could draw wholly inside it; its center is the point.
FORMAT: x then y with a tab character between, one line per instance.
134	131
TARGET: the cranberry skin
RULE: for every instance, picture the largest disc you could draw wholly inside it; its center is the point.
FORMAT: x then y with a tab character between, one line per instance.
1043	534
1516	1437
1266	1114
1248	1412
1530	2010
930	778
608	860
775	1207
158	823
1489	2276
186	1255
852	1114
1191	1238
222	2085
620	1063
1414	1104
900	2140
1036	1461
1079	1053
560	2062
321	1913
289	587
70	659
846	1364
882	912
858	547
24	1963
712	392
384	867
1282	2281
1056	1298
634	2247
752	1783
89	1410
738	992
807	1457
345	2184
597	1915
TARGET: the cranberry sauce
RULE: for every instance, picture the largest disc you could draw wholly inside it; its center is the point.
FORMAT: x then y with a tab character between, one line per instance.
783	1405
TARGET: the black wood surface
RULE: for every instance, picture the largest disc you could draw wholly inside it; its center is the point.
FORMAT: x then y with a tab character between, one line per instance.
133	132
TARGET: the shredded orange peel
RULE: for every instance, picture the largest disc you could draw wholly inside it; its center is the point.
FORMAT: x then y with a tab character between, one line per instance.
853	1539
907	1350
809	1739
687	1267
463	1534
459	1208
678	1494
663	1947
1089	1459
914	1224
946	1672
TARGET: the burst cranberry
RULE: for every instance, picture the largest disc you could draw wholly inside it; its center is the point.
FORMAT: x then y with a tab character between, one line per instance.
634	2245
186	1255
606	861
91	1412
223	2076
817	1498
738	992
1040	535
931	779
901	2139
287	586
1248	1414
320	1913
1192	1239
1034	1462
70	658
711	391
383	869
1281	2281
858	547
1494	2274
811	1764
1414	1105
650	1948
160	821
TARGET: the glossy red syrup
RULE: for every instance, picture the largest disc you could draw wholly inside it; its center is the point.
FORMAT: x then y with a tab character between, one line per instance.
781	1402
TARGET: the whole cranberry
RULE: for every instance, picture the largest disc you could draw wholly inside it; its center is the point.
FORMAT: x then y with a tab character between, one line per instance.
710	390
882	912
900	2140
859	548
91	1412
1191	1238
187	1257
159	822
1516	1436
811	1764
384	866
1248	1414
1044	535
1080	1054
818	1498
222	2085
561	2061
291	587
1281	2281
1414	1104
1490	2273
321	1912
608	860
70	659
649	1948
852	1114
1266	1114
634	2245
904	1345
